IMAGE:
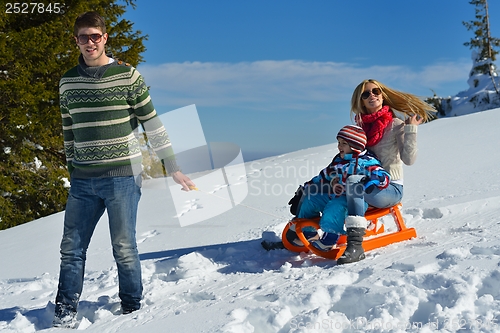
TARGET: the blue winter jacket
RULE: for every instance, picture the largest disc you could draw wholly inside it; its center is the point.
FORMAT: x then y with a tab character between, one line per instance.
341	168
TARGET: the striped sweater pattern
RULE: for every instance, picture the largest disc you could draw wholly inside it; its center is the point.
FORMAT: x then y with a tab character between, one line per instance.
101	118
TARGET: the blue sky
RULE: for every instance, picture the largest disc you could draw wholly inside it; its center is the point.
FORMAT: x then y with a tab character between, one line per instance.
277	76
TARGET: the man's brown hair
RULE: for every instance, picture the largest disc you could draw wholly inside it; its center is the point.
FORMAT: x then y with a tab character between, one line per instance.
89	20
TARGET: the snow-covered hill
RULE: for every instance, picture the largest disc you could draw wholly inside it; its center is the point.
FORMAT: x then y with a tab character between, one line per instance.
213	276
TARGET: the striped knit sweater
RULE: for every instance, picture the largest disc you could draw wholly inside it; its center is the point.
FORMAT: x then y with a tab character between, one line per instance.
101	109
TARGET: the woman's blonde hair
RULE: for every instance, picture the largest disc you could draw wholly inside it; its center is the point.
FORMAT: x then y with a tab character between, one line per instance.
406	103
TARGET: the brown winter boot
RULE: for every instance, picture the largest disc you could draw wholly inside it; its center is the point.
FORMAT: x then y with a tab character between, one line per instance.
354	252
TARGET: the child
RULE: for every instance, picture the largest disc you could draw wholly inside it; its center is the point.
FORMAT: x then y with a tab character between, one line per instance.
325	194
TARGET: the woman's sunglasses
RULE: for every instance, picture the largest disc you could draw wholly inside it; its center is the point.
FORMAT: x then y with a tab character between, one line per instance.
84	39
374	91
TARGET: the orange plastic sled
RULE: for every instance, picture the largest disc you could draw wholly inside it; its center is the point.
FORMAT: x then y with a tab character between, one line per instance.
374	238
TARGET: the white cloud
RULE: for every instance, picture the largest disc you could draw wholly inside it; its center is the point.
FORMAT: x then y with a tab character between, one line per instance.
290	83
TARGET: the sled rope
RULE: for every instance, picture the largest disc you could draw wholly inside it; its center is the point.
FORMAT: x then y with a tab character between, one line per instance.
240	204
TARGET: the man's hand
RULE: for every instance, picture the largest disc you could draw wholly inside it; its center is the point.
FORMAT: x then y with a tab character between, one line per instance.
183	180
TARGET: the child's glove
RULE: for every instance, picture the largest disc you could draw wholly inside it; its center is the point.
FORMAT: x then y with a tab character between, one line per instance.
337	188
294	202
368	184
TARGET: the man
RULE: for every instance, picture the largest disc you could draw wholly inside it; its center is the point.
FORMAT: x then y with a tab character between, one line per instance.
103	102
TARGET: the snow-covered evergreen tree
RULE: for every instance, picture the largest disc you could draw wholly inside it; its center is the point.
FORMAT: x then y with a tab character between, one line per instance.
483	93
482	44
35	51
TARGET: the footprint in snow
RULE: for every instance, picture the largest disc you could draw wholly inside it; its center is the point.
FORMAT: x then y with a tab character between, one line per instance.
266	298
198	297
426	213
218	188
147	235
189	206
488	251
432	213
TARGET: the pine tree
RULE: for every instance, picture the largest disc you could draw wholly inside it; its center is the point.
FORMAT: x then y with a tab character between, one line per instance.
36	48
482	42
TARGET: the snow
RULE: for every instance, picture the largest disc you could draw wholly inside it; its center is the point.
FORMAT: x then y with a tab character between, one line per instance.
213	275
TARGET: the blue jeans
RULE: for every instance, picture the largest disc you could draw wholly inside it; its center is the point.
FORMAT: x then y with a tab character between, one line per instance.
357	198
88	198
333	211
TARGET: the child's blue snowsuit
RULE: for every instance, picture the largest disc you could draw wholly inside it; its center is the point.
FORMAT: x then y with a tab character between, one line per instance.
320	199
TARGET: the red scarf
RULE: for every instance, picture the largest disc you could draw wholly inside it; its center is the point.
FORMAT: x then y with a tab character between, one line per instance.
374	124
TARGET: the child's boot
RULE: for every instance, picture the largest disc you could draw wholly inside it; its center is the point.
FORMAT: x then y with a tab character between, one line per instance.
326	242
354	252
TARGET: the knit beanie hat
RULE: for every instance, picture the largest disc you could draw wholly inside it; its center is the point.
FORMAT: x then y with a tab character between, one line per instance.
355	137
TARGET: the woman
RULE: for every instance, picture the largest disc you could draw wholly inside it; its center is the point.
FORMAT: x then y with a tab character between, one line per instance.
392	140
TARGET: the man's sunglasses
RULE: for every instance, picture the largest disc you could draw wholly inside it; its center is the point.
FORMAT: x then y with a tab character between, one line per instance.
374	91
84	39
